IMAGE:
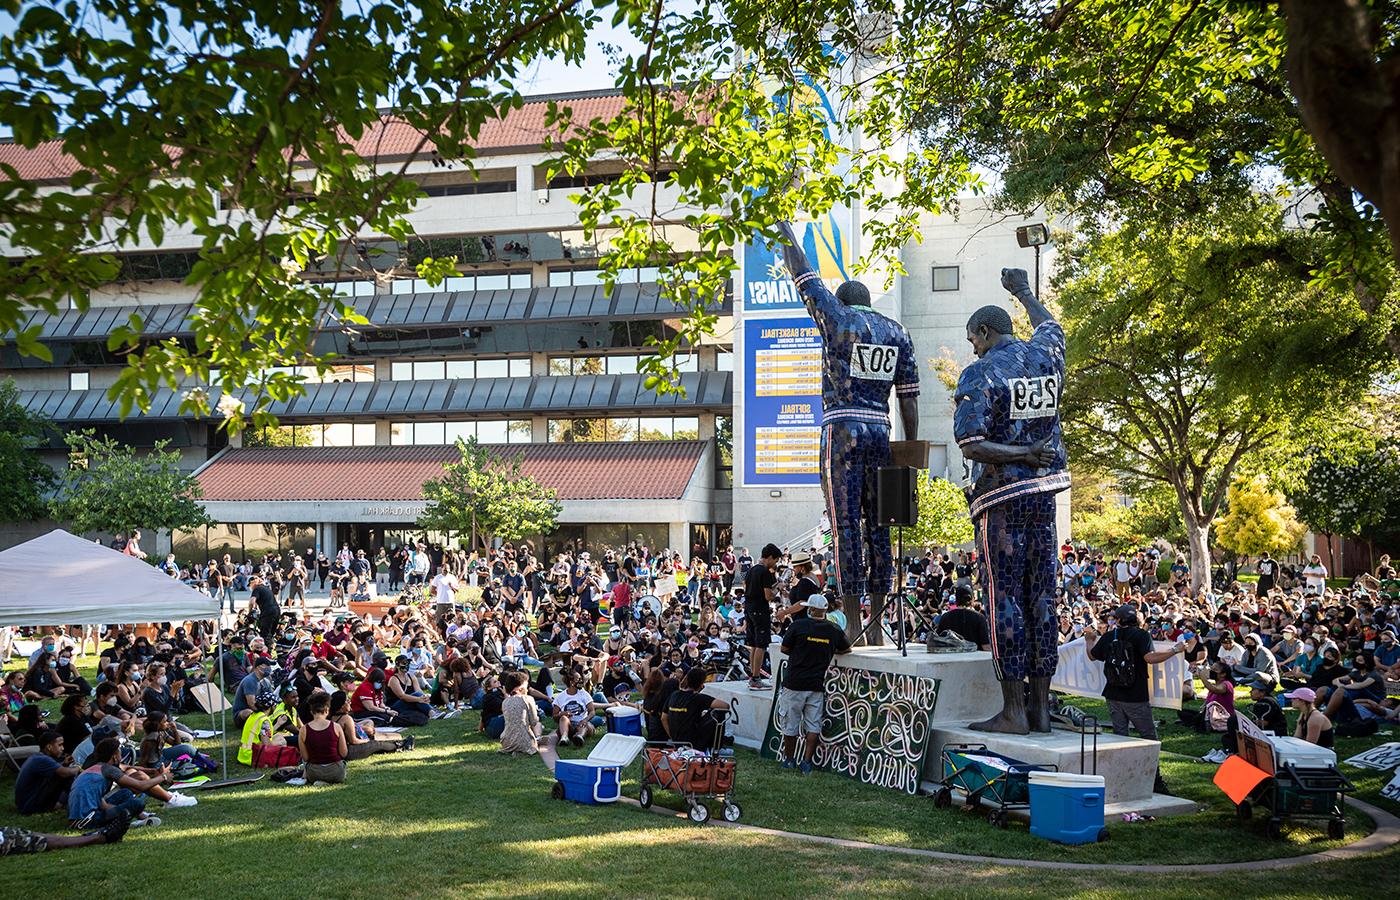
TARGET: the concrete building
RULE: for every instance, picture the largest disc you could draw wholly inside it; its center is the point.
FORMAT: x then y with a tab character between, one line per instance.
522	349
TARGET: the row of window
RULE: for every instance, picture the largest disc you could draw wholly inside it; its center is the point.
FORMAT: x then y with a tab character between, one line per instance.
497	281
439	369
509	431
628	428
331	434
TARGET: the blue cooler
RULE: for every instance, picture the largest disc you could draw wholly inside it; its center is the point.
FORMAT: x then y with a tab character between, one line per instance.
624	720
1067	808
597	779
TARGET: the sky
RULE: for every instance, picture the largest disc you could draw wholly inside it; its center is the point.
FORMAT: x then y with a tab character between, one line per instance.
555	77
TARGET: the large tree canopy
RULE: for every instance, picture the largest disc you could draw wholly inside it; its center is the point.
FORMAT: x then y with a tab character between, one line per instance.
1101	107
1183	367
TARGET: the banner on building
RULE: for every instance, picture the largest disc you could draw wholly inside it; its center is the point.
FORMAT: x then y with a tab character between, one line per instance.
1079	675
767	285
782	411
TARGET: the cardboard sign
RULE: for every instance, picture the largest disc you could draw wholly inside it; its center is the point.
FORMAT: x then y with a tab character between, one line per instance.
665	586
1077	674
876	726
1386	756
1392	791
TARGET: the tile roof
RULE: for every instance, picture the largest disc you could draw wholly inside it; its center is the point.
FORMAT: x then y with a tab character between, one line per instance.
520	129
640	470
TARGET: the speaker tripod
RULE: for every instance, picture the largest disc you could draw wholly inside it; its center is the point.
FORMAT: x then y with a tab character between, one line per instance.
897	506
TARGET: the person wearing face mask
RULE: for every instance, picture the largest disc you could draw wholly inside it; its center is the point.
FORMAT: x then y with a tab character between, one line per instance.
42	681
1329	670
74	724
367	702
406	696
1387	655
49	645
1305	663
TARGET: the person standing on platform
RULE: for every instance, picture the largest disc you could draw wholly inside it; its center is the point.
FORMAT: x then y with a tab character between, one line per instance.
865	355
759	585
809	644
1007	424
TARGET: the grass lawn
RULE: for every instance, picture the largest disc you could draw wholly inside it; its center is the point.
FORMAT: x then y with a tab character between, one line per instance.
454	817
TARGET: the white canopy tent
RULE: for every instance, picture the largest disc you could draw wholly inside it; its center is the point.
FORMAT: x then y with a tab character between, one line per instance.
61	579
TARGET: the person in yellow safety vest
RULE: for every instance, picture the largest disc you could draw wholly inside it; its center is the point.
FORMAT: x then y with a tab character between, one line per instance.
257	728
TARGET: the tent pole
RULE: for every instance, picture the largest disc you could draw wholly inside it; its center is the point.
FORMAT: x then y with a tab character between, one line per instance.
223	707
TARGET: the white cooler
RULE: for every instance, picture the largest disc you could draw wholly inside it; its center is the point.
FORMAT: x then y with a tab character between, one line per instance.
1301	753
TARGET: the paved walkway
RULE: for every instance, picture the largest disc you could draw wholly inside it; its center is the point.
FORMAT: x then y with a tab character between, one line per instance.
1386	835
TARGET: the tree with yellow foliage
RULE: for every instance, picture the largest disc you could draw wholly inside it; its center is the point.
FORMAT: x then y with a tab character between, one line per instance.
1258	519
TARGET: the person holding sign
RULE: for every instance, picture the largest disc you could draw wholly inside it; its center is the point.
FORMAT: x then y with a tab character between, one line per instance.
1007	425
865	355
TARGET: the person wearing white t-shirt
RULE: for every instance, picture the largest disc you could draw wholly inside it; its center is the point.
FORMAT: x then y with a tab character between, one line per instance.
573	710
1315	575
445	586
1230	653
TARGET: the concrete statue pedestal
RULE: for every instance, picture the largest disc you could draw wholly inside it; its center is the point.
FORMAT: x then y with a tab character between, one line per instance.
968	691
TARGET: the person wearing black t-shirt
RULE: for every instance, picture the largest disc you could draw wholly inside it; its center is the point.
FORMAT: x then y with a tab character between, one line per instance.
1127	704
1267	711
687	714
758	612
966	622
1268	571
809	644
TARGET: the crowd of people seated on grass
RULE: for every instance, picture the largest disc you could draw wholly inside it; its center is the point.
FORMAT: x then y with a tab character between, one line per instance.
542	650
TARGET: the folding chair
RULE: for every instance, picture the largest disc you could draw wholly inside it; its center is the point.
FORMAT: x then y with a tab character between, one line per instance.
15	753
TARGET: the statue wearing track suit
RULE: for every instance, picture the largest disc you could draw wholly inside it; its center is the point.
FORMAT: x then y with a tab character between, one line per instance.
1007	425
864	356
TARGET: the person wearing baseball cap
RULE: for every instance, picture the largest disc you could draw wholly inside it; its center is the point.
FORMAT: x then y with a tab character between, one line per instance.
809	644
1313	724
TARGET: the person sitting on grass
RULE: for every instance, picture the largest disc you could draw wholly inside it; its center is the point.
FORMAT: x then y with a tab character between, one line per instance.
43	780
362	740
405	697
522	732
257	728
254	683
42	681
75	724
162	744
1313	724
493	721
93	800
68	675
1361	684
322	744
367	702
689	716
573	710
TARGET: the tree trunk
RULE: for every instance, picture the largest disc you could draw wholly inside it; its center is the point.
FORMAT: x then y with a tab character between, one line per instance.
1198	539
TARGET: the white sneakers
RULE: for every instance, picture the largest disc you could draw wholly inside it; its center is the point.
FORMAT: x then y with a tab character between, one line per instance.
179	800
144	821
1216	756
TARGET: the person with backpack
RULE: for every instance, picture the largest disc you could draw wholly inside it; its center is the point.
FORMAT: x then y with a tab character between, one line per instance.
1126	653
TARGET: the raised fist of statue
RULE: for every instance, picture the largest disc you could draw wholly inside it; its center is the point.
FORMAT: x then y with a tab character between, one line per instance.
1015	280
